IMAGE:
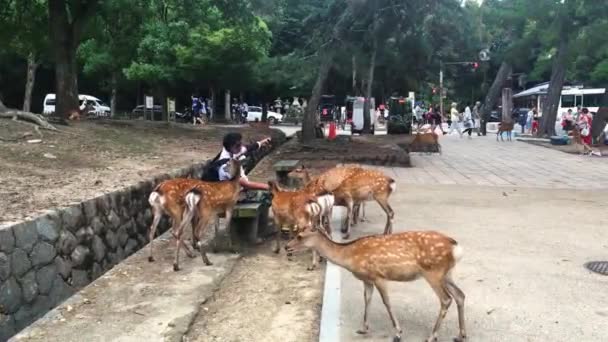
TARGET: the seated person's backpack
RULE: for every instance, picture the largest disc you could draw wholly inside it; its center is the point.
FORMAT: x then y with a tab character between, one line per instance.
211	172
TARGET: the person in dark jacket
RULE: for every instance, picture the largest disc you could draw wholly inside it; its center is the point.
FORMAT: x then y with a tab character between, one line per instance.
233	148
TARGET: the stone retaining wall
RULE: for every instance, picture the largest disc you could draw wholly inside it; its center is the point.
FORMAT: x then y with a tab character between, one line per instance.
45	260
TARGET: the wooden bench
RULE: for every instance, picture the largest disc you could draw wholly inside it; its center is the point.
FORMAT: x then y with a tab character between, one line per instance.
282	168
250	220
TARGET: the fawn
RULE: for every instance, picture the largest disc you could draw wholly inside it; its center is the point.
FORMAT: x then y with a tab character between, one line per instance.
364	186
297	209
207	200
399	257
168	198
426	139
328	181
76	114
504	127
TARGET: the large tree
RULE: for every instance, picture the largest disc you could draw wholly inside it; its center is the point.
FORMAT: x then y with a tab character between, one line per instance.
67	21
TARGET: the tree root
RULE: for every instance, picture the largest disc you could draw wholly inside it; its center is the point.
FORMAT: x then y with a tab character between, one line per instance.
28	117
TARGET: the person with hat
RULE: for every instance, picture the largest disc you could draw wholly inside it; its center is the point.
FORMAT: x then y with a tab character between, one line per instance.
456	119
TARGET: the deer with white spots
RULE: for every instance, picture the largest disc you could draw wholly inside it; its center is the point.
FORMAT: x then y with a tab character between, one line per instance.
329	181
377	259
364	186
297	210
168	198
206	200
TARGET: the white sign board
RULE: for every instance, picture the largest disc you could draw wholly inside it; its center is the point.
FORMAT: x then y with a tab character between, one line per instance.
171	105
149	102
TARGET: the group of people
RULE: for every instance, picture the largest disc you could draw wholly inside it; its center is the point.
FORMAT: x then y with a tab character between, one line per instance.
200	110
239	111
467	121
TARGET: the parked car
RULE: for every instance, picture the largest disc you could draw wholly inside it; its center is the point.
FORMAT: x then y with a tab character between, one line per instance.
255	114
139	110
99	107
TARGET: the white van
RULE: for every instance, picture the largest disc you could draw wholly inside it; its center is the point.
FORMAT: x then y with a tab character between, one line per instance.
99	107
357	119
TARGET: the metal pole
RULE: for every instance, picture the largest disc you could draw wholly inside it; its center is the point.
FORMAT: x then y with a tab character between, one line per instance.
441	88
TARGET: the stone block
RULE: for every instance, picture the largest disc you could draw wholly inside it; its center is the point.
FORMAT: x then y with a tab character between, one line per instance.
67	242
60	291
122	235
113	220
42	254
80	257
131	247
26	235
85	235
80	278
131	227
111	240
103	204
142	239
96	271
64	267
10	296
99	248
98	226
20	262
90	210
29	286
7	240
5	266
7	327
45	278
48	229
72	218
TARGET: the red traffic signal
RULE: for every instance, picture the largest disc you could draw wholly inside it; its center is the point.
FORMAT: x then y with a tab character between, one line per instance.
434	90
475	65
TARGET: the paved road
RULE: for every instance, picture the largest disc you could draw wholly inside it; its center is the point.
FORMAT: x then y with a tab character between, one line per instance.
525	242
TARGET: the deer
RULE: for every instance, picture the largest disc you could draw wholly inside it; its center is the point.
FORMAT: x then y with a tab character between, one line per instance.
206	200
426	138
168	198
504	126
76	114
404	257
364	186
299	210
327	182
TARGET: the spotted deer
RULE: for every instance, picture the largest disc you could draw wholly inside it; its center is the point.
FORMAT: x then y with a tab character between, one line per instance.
298	210
168	198
365	186
504	127
328	181
205	201
377	259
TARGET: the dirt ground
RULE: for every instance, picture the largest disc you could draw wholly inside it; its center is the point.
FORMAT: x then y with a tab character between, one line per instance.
265	298
94	157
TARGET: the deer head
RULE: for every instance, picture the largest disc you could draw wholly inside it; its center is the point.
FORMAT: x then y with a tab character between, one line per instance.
305	239
301	172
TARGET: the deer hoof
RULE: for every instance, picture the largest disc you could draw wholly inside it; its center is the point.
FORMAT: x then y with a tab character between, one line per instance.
431	339
362	331
310	268
208	263
397	338
460	339
175	267
345	236
150	259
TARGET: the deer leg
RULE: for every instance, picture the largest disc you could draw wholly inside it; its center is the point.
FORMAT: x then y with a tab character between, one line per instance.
458	296
356	208
383	202
155	221
381	286
200	229
444	300
363	218
216	228
177	234
277	235
314	262
368	291
349	213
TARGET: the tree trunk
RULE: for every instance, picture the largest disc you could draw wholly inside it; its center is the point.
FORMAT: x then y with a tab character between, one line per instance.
354	86
309	121
368	91
558	75
211	104
32	66
114	86
264	111
493	93
227	107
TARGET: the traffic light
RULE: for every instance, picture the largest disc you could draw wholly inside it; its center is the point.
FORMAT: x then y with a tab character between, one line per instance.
475	65
434	91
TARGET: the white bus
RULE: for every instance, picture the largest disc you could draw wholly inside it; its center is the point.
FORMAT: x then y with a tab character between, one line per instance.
572	96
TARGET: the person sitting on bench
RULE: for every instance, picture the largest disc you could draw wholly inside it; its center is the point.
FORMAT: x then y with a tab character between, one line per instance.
233	148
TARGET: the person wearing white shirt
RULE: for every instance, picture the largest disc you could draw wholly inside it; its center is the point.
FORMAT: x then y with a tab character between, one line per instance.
233	148
455	117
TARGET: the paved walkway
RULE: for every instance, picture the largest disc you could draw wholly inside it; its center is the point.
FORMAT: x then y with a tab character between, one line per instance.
483	161
525	243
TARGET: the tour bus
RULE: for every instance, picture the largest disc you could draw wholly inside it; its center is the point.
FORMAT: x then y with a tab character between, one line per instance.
572	97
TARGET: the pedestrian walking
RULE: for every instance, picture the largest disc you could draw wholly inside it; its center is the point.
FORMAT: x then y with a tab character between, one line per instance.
467	121
477	117
456	119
